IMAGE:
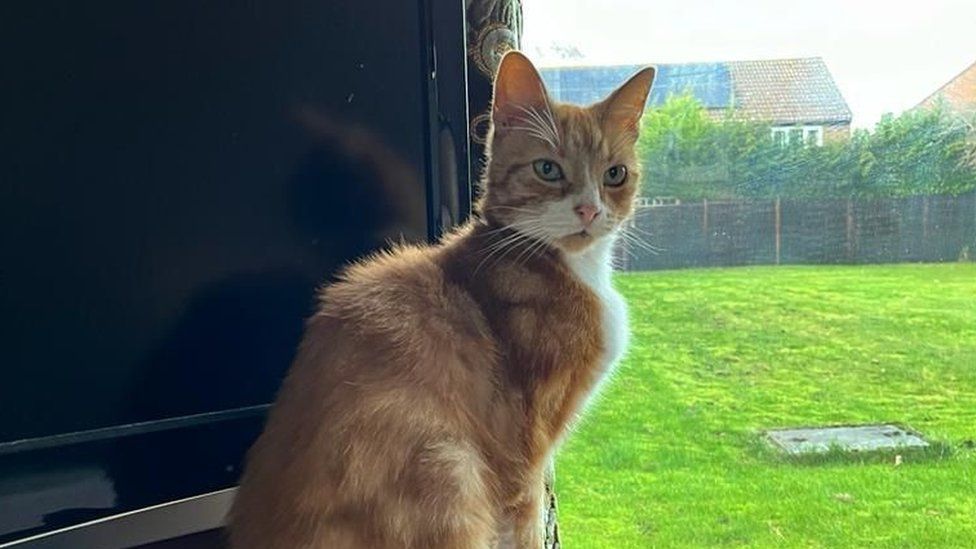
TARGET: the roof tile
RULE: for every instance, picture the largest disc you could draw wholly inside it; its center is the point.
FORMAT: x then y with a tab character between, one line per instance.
787	91
779	91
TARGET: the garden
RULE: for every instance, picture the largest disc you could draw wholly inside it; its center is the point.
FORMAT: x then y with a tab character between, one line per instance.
672	453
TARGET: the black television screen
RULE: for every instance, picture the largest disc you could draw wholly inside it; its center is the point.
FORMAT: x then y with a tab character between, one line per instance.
176	179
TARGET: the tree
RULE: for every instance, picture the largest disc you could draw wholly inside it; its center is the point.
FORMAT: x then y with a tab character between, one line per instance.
677	146
691	153
919	152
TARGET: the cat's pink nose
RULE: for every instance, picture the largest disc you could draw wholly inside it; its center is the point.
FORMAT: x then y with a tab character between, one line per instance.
587	213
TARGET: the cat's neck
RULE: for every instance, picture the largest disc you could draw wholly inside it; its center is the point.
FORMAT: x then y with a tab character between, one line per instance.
498	244
479	244
594	265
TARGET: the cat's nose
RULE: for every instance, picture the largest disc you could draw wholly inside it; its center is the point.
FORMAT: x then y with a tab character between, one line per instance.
587	213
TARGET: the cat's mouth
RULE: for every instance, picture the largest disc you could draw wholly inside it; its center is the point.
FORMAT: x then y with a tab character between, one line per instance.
574	242
579	236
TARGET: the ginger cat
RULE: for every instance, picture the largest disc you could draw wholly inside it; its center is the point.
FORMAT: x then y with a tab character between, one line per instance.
434	383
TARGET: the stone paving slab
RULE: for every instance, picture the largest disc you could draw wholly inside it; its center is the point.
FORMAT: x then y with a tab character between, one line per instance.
854	438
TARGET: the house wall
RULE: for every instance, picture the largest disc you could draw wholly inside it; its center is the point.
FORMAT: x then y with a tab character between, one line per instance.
832	132
959	93
836	132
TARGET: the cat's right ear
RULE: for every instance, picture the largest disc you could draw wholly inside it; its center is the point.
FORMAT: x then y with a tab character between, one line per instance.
518	90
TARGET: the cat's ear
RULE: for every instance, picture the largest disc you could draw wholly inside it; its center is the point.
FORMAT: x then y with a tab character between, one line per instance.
623	109
518	90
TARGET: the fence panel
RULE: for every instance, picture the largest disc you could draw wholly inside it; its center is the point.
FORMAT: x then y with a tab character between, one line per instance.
803	231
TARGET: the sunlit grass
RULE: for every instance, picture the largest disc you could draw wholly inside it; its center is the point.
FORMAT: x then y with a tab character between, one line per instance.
668	457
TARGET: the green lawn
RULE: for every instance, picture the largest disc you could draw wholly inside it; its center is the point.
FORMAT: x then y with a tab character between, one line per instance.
668	455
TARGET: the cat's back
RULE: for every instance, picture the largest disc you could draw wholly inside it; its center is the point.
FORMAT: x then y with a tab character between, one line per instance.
396	323
403	293
374	388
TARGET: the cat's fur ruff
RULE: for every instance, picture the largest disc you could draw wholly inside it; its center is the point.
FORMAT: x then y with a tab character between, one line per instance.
434	383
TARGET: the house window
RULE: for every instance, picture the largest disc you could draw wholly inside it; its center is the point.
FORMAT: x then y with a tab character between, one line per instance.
779	136
811	136
814	136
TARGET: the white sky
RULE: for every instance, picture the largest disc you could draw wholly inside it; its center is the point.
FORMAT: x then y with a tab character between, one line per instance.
886	56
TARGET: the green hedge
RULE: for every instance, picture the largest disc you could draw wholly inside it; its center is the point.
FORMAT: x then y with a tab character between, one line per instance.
689	154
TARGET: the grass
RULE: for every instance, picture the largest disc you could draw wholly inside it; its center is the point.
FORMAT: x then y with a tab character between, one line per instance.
669	455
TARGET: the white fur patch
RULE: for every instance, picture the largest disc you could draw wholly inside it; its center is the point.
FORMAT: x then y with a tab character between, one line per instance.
593	267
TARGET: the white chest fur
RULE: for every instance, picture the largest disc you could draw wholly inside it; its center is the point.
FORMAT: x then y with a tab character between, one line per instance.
593	267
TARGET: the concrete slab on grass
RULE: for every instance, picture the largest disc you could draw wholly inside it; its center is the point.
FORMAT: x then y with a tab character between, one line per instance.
856	438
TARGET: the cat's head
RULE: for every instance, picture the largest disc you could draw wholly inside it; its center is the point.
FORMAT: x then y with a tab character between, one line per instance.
561	173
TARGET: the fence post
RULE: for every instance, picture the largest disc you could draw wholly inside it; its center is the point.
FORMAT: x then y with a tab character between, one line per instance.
850	229
705	217
779	227
925	219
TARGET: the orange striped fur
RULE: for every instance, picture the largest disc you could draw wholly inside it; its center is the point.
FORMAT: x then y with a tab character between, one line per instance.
434	382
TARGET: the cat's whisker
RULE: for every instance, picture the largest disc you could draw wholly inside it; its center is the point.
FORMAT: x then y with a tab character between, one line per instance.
630	237
502	241
544	123
552	123
647	244
531	250
529	230
531	128
512	208
626	249
533	114
546	244
504	251
643	212
527	246
515	225
640	230
505	243
639	242
617	263
536	133
516	210
531	238
493	234
494	231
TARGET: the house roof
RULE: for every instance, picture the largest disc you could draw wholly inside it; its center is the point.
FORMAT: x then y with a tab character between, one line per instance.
779	91
710	83
788	91
959	93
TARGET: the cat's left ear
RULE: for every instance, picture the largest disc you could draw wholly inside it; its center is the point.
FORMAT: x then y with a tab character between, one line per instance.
623	109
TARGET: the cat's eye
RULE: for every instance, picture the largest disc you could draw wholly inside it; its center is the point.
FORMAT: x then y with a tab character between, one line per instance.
615	176
547	170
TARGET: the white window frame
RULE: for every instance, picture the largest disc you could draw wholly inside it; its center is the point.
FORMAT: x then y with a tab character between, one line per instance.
806	131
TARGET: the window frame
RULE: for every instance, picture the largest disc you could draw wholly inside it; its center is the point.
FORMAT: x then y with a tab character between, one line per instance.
781	135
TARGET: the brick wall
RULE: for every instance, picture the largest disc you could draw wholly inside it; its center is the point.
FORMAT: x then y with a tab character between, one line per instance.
837	132
960	92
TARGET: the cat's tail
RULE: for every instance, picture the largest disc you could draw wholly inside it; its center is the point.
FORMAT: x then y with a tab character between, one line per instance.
383	181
